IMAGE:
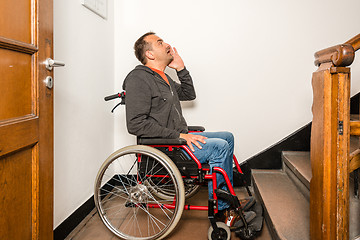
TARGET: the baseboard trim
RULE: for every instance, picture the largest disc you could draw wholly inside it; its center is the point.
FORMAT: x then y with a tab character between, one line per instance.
354	104
69	224
270	158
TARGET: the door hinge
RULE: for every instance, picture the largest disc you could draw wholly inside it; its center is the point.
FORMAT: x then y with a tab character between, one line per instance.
341	127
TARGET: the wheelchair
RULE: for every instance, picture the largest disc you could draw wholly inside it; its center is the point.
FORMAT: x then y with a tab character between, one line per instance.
140	190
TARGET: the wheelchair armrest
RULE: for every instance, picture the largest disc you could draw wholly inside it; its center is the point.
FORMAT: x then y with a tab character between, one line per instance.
196	129
161	141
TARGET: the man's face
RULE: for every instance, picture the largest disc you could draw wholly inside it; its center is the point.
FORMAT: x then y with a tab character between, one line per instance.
161	51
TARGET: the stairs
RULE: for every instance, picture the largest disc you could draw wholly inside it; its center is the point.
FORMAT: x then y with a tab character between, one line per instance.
285	196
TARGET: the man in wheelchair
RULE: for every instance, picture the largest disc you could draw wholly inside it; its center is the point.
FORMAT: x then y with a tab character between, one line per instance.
153	110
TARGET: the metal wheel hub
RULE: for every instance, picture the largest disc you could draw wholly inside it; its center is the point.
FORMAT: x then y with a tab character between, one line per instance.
139	194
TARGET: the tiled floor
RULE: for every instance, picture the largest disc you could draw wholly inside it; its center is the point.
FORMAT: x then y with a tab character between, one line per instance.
193	224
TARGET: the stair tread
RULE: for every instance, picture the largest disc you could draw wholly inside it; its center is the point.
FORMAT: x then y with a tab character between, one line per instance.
287	209
300	164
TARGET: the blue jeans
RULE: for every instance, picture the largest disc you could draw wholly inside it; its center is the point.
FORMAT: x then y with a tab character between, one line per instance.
217	152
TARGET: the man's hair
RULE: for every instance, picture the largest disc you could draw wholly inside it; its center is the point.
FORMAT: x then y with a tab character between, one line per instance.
141	46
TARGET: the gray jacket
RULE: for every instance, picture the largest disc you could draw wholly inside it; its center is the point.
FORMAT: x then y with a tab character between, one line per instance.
152	106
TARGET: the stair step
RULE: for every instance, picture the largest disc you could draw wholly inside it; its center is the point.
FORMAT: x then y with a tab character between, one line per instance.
298	166
285	196
286	209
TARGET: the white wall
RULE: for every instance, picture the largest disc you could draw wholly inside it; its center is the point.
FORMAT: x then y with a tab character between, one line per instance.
251	61
84	128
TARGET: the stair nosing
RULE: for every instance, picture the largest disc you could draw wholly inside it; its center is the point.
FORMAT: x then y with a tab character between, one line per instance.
299	174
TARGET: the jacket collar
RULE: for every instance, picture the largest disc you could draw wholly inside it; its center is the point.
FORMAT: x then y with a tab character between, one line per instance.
145	68
141	68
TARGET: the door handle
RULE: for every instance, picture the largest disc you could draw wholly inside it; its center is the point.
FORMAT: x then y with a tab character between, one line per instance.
50	63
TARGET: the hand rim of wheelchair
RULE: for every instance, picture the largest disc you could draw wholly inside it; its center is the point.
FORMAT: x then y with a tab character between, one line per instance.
138	189
190	190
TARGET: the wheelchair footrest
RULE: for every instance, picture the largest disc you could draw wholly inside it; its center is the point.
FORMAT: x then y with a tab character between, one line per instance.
254	226
233	200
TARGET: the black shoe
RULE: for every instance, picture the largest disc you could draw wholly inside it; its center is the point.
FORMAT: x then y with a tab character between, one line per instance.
233	219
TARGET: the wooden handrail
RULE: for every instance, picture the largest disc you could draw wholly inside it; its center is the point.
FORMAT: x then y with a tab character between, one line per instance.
354	160
355	42
355	128
340	55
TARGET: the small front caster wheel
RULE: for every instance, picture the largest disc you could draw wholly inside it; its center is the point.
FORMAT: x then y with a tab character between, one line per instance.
223	233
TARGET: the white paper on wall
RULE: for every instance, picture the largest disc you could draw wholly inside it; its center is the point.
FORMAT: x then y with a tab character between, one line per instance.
97	6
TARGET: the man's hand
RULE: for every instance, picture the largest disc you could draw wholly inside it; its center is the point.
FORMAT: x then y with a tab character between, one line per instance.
177	63
193	139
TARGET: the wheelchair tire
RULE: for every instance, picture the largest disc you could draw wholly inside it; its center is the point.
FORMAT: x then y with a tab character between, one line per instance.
126	205
224	234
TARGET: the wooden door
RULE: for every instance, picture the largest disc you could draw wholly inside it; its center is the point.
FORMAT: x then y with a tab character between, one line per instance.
26	120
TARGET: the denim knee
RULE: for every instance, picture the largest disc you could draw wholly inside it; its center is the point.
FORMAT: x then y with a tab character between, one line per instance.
220	149
229	136
220	144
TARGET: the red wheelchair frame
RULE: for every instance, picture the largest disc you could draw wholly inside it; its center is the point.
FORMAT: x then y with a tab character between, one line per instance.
210	177
201	176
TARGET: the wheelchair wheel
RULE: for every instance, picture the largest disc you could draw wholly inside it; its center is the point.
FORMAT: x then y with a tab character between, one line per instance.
124	201
191	190
166	192
223	234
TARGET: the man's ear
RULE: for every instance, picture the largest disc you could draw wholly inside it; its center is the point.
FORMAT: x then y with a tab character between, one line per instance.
149	55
